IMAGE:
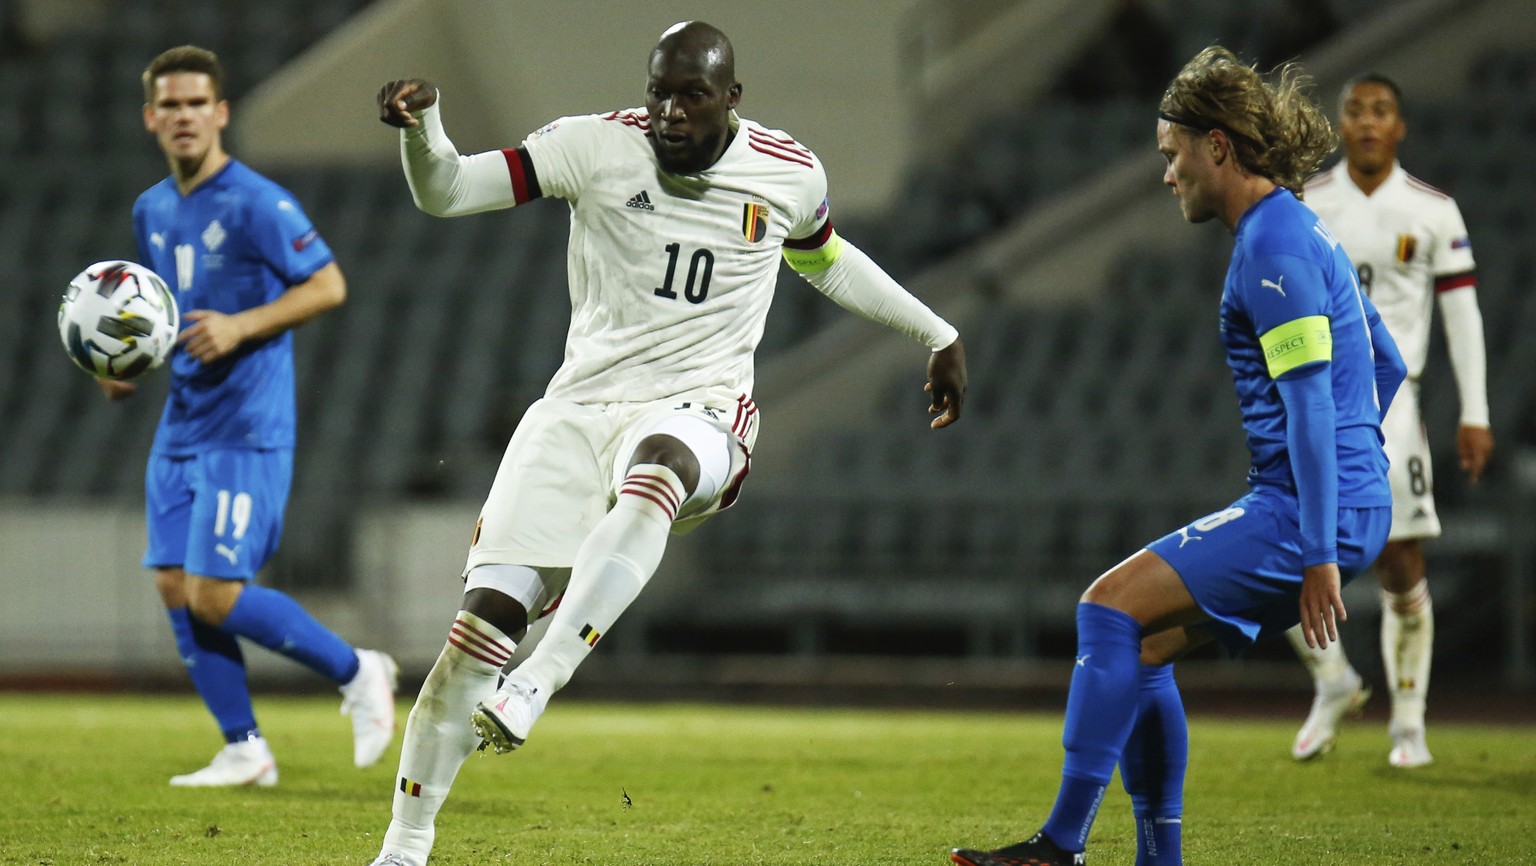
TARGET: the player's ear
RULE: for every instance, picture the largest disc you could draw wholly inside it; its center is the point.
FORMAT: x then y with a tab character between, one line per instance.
221	113
733	96
1219	146
149	117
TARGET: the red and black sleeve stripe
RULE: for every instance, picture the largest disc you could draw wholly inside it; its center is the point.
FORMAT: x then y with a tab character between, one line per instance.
525	180
815	240
1455	281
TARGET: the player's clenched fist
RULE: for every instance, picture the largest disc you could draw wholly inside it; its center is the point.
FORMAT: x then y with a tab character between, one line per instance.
398	99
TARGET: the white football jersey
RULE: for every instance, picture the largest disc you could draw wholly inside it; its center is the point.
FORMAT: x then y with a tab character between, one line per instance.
1406	239
670	276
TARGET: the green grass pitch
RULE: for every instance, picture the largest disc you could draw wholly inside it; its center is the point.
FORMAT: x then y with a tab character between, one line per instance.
85	781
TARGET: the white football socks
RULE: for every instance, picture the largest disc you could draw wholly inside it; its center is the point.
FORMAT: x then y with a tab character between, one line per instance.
1331	671
613	564
1407	645
438	736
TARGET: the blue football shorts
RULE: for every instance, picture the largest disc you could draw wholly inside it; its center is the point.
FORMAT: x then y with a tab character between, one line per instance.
1243	566
218	513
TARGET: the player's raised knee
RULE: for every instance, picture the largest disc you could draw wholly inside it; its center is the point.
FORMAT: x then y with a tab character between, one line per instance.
662	449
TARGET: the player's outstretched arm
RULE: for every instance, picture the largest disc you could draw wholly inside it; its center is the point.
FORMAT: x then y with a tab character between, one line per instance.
443	182
946	382
845	274
399	100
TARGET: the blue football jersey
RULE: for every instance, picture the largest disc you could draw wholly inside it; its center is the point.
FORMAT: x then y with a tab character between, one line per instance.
235	242
1287	275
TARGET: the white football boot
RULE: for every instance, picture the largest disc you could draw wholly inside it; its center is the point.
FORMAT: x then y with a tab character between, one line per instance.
248	762
504	719
390	858
1408	748
370	700
1319	732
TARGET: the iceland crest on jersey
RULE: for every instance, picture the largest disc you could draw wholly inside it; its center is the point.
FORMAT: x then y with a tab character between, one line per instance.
213	236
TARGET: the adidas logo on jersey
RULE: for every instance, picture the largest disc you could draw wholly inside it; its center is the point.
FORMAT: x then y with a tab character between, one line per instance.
641	201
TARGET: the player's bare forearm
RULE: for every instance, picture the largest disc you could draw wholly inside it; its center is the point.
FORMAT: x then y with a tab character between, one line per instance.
214	335
947	381
326	289
1322	607
1474	445
398	99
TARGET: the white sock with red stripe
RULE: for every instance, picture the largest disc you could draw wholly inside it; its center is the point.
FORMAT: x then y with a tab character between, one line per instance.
438	736
613	565
1407	644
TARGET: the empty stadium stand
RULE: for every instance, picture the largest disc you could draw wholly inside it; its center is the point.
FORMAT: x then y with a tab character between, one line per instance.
1092	427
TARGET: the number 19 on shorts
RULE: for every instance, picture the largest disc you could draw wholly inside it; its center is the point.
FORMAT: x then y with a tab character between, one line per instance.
233	511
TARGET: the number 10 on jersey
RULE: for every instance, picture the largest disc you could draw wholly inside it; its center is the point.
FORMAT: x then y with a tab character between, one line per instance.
700	265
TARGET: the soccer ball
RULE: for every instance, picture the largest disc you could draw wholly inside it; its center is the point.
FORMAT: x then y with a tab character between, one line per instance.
118	319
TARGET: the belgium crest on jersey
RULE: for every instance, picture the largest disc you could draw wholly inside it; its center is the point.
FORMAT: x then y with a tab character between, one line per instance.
1406	245
754	221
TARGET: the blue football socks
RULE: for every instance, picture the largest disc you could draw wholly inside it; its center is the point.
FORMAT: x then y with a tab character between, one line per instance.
282	625
217	668
1152	768
1101	707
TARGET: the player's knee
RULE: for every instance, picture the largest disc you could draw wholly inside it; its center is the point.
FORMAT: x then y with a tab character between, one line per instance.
1400	566
211	600
498	609
669	451
1154	654
1106	591
171	583
1170	645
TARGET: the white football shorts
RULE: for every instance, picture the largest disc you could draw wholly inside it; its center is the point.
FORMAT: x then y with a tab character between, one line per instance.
563	467
1412	471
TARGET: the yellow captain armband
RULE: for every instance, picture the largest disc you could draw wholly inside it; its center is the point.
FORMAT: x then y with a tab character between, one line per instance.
1306	340
807	259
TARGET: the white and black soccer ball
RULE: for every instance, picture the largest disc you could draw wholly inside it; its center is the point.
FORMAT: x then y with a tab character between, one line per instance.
118	319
